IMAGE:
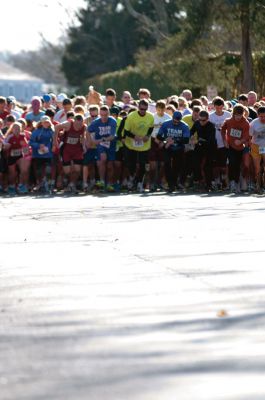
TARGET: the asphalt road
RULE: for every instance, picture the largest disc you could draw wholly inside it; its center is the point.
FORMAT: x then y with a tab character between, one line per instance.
145	297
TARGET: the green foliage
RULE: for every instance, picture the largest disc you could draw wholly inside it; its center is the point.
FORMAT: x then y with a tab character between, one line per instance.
259	68
203	45
131	78
108	37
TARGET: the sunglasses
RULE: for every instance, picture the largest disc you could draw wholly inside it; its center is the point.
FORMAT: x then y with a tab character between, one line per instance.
202	120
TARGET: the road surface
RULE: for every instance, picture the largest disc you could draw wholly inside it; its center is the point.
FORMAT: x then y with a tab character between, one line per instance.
145	297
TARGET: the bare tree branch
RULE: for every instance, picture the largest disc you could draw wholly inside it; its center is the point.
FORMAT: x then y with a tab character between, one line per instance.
149	25
159	6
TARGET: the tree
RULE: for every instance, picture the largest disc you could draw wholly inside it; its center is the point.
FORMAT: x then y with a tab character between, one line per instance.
191	43
105	40
214	46
110	33
157	25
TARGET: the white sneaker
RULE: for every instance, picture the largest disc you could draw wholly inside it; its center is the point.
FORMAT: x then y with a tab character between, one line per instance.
85	187
130	183
140	187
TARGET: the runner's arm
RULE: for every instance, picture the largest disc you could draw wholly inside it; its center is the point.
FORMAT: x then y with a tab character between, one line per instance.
186	134
33	139
129	134
120	129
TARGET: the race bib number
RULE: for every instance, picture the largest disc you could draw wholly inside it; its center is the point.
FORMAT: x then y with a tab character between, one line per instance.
261	150
72	140
236	133
189	146
25	151
16	152
43	150
139	143
105	144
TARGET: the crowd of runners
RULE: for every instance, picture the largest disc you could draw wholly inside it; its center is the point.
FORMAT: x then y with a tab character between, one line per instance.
97	143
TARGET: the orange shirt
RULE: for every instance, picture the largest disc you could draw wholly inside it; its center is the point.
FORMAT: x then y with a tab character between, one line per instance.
233	130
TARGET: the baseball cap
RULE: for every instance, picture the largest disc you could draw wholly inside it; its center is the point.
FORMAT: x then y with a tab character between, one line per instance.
45	118
46	98
60	98
11	99
177	115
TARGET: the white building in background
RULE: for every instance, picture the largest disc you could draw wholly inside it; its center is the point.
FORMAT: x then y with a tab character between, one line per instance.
14	82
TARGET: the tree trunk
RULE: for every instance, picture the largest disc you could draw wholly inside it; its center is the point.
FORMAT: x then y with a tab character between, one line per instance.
248	78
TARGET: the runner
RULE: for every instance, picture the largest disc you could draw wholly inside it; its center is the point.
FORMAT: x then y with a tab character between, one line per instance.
173	135
218	117
138	129
59	101
187	94
3	112
15	142
118	163
41	141
156	156
90	153
183	106
61	115
235	133
57	166
244	100
190	119
110	98
170	109
103	134
247	177
36	113
9	121
3	161
144	93
11	107
257	133
27	150
204	150
126	99
252	99
47	102
73	132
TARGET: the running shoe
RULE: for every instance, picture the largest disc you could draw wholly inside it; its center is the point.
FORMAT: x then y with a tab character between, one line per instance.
110	188
117	187
130	184
71	188
140	187
46	188
152	188
12	190
100	184
22	189
85	187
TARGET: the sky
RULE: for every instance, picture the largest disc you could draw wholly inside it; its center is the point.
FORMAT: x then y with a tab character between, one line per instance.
28	19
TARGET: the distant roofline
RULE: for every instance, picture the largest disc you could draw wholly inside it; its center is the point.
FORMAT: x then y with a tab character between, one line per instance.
10	73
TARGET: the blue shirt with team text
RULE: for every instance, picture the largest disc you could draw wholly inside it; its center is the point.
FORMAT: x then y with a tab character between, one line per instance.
180	133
